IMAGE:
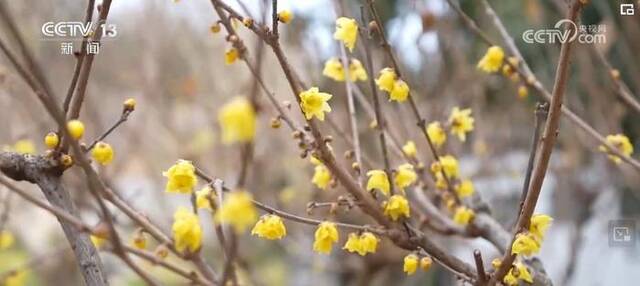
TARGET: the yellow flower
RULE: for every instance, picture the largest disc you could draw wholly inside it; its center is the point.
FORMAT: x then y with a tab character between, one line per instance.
400	91
333	69
410	264
182	177
368	242
51	140
102	153
410	149
396	206
437	135
75	128
314	103
518	272
98	241
215	28
187	232
285	16
449	165
405	176
357	71
347	32
230	56
464	189
237	210
129	104
461	122
237	120
378	180
425	263
321	177
441	183
387	79
25	146
353	244
326	235
17	278
139	240
539	225
362	244
463	215
523	92
6	239
492	60
269	227
525	244
203	198
622	143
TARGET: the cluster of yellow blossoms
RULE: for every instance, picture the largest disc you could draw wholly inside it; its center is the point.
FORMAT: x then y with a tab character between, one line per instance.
412	261
397	88
334	69
528	243
519	272
362	244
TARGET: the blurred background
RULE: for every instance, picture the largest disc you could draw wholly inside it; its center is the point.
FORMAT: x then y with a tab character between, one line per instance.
166	57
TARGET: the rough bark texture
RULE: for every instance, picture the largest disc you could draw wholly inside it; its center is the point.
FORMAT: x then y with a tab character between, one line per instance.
45	173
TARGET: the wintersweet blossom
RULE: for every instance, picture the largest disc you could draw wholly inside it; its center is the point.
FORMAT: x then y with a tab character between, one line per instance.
386	80
285	16
400	91
525	244
321	177
230	56
461	122
492	60
436	133
238	210
186	229
333	69
396	206
409	149
449	165
75	128
102	153
364	243
463	215
621	142
203	198
378	180
410	264
347	32
237	120
519	272
425	263
139	240
270	227
181	177
326	235
405	176
464	189
52	140
539	225
357	71
314	103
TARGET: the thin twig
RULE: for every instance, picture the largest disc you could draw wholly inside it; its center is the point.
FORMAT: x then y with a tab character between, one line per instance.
548	141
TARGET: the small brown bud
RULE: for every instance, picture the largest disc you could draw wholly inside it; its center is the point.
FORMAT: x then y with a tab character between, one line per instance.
349	154
428	20
129	105
247	22
328	139
373	27
215	28
276	123
356	167
296	134
615	74
333	209
161	251
531	80
233	38
287	104
66	160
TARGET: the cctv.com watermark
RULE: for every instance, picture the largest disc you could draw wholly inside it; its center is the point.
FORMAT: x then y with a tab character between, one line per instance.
584	34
